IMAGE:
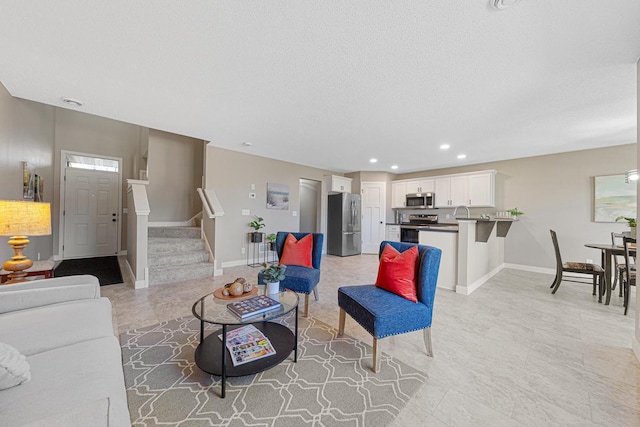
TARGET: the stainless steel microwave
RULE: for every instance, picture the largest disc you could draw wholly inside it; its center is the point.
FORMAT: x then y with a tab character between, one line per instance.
421	200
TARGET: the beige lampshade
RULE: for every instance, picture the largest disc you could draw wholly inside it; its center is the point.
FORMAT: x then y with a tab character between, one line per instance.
18	218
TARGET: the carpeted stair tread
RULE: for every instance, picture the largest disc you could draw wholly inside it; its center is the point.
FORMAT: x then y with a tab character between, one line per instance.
174	232
174	244
182	258
178	273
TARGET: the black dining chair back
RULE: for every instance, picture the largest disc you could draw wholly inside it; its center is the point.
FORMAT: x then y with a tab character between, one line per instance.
618	260
629	279
595	271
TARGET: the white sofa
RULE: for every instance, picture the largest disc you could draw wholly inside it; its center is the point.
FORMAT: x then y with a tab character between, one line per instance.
65	330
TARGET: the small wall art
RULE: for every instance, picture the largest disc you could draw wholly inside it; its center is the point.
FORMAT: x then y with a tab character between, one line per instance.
613	197
277	196
28	181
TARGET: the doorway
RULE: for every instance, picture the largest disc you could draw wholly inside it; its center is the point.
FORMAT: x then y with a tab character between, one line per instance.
373	215
310	197
90	205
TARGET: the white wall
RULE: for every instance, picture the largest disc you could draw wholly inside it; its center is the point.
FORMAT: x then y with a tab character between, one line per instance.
26	134
84	133
175	171
231	175
555	192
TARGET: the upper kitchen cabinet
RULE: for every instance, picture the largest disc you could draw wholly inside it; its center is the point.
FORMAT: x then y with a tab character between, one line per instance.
475	189
419	186
451	191
482	189
398	194
339	184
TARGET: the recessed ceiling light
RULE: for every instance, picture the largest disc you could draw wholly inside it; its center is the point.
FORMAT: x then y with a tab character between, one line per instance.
246	144
445	146
373	160
394	167
462	156
72	102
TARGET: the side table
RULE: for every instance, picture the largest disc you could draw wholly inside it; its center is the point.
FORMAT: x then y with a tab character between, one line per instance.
39	268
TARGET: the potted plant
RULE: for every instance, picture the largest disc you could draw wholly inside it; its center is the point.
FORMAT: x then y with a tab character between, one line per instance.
632	224
515	213
256	224
272	275
271	238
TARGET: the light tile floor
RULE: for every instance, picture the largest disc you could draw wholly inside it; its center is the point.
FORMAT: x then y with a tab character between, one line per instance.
509	354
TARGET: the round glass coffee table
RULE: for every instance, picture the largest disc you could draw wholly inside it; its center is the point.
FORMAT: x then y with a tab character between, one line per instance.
211	354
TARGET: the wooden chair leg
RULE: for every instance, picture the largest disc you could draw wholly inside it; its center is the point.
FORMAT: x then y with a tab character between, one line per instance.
426	333
556	283
341	320
306	306
375	354
315	293
627	289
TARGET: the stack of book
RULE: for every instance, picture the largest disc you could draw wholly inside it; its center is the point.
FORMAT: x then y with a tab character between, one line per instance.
253	306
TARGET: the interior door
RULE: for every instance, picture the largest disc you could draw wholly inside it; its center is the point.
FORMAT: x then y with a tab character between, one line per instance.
373	215
90	213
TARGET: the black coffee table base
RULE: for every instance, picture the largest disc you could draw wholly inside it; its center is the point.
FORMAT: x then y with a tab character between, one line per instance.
212	356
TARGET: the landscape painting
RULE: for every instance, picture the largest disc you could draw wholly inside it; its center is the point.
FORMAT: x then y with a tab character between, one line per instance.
613	198
277	196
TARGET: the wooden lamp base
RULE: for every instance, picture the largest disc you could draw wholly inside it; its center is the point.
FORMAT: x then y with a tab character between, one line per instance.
18	262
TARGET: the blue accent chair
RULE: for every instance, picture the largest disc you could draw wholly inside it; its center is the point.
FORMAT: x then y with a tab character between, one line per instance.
383	313
299	279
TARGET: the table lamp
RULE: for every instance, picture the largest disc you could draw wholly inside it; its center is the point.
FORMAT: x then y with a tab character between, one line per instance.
18	220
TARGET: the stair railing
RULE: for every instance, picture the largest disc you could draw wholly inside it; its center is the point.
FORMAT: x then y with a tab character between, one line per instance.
137	230
212	208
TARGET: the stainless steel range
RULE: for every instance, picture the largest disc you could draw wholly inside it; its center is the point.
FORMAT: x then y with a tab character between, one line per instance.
409	230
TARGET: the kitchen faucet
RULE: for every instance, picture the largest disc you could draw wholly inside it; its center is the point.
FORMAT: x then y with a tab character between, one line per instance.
461	206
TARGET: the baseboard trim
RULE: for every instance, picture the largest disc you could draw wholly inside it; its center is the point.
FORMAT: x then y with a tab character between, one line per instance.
635	345
531	268
172	224
467	290
137	284
236	263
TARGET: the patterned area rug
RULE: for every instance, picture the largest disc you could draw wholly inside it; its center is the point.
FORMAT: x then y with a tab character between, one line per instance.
331	384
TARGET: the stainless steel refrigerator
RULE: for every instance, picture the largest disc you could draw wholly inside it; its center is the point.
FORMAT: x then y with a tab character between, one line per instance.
343	224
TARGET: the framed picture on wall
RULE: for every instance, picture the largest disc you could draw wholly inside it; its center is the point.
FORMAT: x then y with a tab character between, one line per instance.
613	197
277	196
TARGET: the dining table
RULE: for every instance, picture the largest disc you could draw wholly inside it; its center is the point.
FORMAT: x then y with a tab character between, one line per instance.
608	251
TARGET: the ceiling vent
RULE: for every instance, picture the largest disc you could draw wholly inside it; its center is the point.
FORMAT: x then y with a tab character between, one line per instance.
503	4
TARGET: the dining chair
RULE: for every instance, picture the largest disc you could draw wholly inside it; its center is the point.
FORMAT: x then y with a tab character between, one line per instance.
618	260
629	280
595	271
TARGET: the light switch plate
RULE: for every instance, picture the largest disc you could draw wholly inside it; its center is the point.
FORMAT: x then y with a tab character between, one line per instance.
246	212
253	186
294	213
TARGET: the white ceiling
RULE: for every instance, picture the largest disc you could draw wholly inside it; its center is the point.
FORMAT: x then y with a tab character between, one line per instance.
333	83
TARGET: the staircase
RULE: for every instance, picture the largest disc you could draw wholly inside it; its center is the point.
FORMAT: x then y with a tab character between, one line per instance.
177	254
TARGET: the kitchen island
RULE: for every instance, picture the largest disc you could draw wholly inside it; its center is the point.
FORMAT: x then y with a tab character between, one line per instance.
472	251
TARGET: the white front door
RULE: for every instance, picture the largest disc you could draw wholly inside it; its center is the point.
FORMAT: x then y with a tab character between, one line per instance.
90	213
373	215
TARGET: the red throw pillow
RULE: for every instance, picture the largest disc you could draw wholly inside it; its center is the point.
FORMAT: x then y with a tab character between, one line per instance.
397	272
297	252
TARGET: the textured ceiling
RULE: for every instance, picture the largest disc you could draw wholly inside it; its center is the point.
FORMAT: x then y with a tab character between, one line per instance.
332	83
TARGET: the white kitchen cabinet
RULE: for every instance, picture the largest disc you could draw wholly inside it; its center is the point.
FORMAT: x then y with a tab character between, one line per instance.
420	186
398	194
473	190
459	193
442	191
482	190
393	233
339	184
